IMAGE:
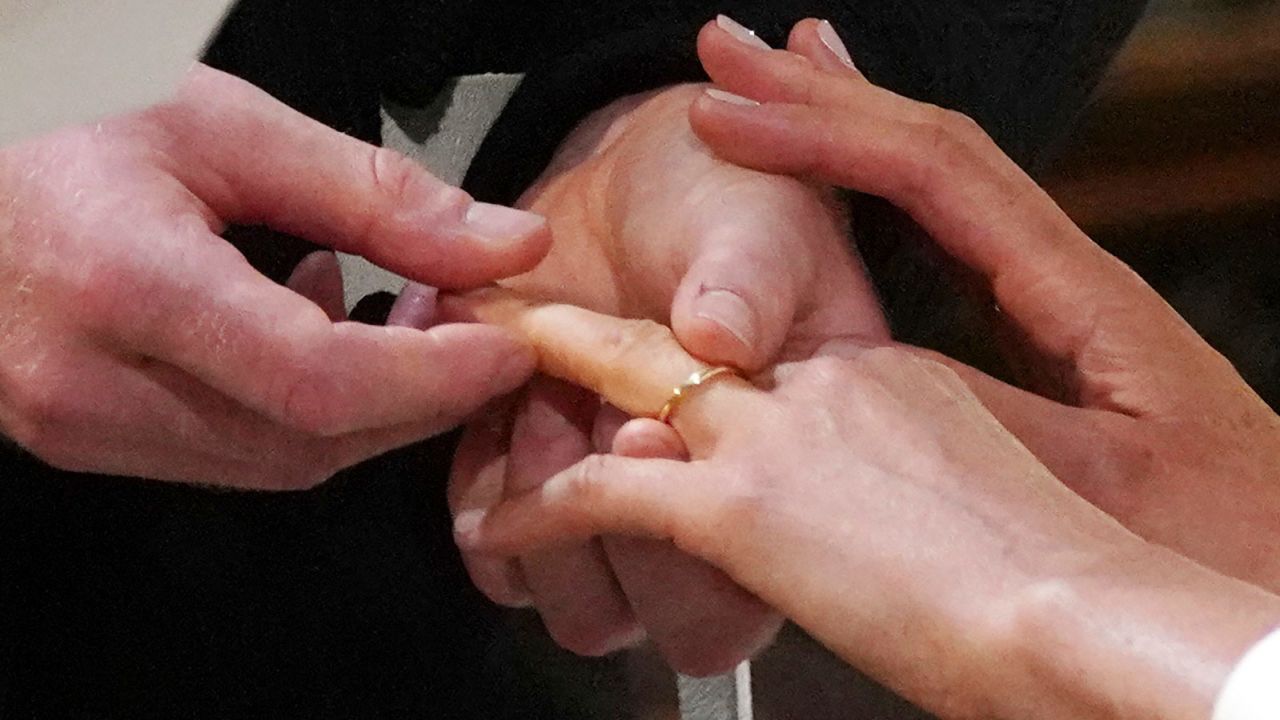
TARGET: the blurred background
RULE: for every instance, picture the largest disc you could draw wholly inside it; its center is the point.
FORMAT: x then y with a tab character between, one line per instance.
1175	168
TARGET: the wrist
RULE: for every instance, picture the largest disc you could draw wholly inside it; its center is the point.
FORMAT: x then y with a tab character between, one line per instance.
1144	632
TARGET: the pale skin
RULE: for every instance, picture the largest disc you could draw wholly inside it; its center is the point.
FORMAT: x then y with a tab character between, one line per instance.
135	341
923	541
748	268
1143	418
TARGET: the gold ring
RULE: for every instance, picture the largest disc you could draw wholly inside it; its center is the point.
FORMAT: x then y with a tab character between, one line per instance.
683	390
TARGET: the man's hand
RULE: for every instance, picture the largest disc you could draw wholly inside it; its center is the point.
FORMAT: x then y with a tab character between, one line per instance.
135	341
1141	416
747	268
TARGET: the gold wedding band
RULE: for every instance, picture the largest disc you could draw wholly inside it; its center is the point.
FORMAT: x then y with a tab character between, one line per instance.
683	390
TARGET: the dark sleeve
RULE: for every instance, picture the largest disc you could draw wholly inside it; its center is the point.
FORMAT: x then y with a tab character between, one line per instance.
1022	68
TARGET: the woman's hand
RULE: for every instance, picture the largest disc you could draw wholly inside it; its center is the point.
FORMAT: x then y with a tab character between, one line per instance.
1139	414
873	498
870	497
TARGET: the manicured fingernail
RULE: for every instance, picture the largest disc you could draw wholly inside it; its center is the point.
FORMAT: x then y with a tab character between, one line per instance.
500	223
829	37
728	310
740	31
722	96
415	308
466	524
625	638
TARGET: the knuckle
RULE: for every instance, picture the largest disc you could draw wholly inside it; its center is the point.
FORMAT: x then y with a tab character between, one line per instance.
635	336
41	415
392	174
826	371
305	402
585	482
400	182
943	139
743	511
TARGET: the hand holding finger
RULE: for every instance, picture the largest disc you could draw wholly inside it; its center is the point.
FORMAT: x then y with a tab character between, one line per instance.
702	621
633	364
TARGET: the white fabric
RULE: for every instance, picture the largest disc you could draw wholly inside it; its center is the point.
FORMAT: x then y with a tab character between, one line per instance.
1252	691
444	138
66	62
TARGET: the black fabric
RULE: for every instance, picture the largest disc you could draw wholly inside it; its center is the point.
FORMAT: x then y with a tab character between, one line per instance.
123	598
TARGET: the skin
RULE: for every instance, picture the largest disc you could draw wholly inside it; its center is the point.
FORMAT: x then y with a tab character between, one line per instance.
135	341
748	268
1135	412
923	541
939	556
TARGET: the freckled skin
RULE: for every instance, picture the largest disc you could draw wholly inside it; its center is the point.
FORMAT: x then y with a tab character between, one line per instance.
136	341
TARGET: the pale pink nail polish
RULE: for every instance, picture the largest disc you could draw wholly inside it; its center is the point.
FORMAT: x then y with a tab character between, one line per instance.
466	524
740	31
829	37
415	308
728	97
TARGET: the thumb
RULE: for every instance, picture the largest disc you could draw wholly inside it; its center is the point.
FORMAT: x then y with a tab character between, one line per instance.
251	159
738	298
731	308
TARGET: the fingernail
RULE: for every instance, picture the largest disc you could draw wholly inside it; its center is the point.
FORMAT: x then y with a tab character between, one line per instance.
728	310
415	308
497	222
829	37
740	31
466	524
722	96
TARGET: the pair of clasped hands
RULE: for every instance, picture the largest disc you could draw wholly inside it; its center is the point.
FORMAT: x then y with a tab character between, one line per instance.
980	548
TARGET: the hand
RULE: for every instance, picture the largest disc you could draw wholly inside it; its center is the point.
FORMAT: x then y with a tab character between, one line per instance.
747	268
891	516
1145	420
135	341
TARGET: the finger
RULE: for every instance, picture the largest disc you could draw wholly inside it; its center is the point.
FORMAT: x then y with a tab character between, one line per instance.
701	621
736	303
603	494
643	437
1072	301
415	308
318	278
477	482
633	364
818	41
780	76
154	421
214	316
747	292
254	160
245	448
573	585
